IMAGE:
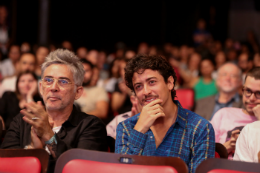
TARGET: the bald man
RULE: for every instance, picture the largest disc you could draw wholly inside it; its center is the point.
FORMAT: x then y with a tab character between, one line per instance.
229	79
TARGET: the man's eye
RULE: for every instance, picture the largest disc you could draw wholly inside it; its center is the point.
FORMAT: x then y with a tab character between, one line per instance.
63	81
137	87
48	80
152	81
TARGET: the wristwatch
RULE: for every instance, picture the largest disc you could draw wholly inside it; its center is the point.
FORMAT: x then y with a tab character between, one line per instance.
53	140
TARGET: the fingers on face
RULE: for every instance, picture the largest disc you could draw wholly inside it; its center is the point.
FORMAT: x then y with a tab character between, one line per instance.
154	102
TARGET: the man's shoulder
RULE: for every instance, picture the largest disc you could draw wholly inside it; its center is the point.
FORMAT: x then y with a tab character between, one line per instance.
229	110
9	79
130	122
194	120
206	99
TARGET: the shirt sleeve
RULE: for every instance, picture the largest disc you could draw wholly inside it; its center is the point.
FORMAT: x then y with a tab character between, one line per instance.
129	141
111	128
242	152
102	95
203	146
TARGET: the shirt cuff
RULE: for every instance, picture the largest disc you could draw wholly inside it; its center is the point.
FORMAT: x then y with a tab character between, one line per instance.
137	139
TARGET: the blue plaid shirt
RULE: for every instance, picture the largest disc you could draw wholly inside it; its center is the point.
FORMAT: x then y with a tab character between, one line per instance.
190	138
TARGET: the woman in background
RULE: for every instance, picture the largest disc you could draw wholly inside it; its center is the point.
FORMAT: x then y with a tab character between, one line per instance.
12	102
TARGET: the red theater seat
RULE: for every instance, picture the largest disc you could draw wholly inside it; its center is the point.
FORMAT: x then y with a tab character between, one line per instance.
20	164
215	165
186	97
113	161
94	167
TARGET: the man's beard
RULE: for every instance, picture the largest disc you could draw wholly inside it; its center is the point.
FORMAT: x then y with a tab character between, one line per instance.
86	83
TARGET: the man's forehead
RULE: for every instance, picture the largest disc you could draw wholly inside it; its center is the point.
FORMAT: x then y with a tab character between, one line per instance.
145	74
58	70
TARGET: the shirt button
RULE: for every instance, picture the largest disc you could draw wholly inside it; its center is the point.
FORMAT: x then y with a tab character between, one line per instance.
151	137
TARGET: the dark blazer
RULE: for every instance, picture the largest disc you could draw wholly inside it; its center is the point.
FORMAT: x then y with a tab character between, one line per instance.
205	106
79	131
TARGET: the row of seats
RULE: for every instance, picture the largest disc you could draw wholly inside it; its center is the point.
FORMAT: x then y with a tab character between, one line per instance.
81	160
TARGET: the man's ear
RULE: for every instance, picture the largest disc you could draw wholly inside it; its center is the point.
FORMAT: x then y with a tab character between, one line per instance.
79	92
170	83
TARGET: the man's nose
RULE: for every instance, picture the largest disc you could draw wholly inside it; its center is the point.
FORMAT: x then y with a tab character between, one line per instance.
252	97
55	86
147	90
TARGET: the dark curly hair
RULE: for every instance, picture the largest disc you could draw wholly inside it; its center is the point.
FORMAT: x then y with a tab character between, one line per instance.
143	62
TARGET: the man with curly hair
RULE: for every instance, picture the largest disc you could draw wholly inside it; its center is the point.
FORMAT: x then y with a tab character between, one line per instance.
163	128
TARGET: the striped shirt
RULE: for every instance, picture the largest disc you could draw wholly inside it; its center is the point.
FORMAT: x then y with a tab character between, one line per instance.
190	138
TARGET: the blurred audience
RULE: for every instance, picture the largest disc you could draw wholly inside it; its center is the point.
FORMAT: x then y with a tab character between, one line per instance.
136	108
41	53
94	100
8	66
26	63
229	80
82	52
4	30
204	85
26	91
228	122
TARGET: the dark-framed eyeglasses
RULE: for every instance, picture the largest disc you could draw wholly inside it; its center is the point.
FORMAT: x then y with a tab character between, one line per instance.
48	81
247	92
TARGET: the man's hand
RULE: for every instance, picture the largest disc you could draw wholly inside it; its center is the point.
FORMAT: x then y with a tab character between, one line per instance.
256	111
149	114
32	91
38	118
136	107
231	144
36	141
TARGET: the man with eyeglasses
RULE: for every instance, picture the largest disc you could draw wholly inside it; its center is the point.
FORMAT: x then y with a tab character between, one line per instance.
228	122
229	79
60	127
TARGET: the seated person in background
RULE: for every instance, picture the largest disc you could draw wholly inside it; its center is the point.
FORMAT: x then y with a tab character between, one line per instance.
163	128
94	100
13	102
228	122
26	63
120	99
229	79
41	53
204	85
136	108
8	66
248	142
61	127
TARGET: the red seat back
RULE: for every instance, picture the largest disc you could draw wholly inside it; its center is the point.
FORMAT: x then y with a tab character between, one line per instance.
225	171
20	164
186	98
83	166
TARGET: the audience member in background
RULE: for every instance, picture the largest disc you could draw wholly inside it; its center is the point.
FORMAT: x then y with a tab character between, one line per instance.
41	54
67	45
163	128
8	66
192	70
232	55
110	83
25	47
94	100
143	48
184	56
204	85
120	100
26	91
229	80
228	122
220	59
136	108
82	52
26	63
129	54
92	56
61	127
200	35
256	60
4	30
102	57
248	142
245	63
